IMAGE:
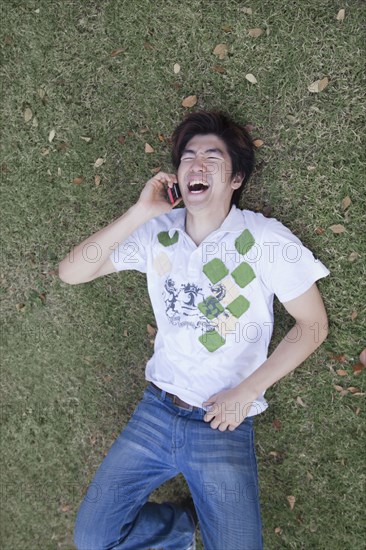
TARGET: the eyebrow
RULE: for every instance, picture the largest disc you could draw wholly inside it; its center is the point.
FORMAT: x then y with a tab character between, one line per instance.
213	150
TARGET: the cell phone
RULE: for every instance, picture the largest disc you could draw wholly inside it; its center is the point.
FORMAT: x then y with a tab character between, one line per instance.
174	193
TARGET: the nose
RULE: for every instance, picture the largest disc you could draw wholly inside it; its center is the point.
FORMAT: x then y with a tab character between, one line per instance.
197	165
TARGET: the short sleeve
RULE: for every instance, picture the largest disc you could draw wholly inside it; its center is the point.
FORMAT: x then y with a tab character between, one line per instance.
132	252
288	268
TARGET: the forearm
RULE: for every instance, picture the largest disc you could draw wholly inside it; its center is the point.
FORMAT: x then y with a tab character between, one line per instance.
299	343
84	260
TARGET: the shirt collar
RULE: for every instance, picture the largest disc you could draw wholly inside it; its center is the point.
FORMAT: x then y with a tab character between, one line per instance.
233	222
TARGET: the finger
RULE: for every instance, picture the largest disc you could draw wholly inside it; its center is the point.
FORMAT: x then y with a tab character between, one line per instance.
232	428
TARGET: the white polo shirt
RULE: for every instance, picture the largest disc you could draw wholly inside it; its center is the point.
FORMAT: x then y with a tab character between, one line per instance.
213	303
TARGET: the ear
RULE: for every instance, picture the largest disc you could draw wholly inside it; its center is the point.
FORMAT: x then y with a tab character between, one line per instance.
237	181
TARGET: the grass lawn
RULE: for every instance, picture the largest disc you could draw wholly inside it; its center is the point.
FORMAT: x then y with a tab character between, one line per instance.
87	80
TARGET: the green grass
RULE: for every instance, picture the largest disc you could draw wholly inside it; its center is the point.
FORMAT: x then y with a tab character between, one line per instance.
73	359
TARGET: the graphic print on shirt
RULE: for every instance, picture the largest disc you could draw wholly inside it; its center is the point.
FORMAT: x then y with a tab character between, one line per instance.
214	315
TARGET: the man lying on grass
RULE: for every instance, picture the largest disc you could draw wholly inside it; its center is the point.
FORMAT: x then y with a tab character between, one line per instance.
212	273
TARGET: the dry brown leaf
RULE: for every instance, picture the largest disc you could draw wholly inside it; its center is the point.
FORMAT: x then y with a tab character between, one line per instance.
97	180
291	500
117	51
125	333
318	85
176	68
276	424
66	508
251	78
278	530
346	203
337	228
221	51
78	180
337	388
353	256
358	368
354	315
354	390
45	152
51	135
99	162
27	114
341	372
340	358
189	101
248	11
363	357
151	330
20	307
161	137
219	69
255	32
121	139
340	15
227	28
144	130
319	230
300	401
258	143
148	148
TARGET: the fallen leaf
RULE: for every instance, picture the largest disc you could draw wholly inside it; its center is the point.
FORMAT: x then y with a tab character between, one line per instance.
148	46
353	256
125	333
248	11
121	139
258	143
144	130
309	476
8	40
221	51
189	101
161	137
354	315
148	148
276	424
337	388
341	372
358	410
291	118
41	92
35	122
358	368
51	135
278	530
251	78
341	358
45	152
300	401
319	230
99	162
20	307
78	180
337	228
219	69
151	330
346	203
62	146
176	68
117	51
352	389
291	500
227	28
363	357
97	180
66	508
311	168
156	170
28	114
340	15
255	32
85	138
318	85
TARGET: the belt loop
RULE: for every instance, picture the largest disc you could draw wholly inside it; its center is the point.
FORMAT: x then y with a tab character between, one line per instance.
162	395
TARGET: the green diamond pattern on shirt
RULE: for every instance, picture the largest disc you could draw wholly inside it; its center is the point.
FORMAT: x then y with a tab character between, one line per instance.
212	340
244	242
238	306
165	240
243	274
210	307
215	270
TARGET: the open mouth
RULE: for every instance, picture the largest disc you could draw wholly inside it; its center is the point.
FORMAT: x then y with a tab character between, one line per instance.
197	186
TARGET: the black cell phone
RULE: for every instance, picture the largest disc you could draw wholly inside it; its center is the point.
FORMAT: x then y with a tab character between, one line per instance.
174	193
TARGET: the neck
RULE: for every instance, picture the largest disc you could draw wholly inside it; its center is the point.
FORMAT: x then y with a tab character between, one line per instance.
201	224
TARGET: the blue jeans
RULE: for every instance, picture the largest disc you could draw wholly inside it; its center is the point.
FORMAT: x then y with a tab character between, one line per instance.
160	441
